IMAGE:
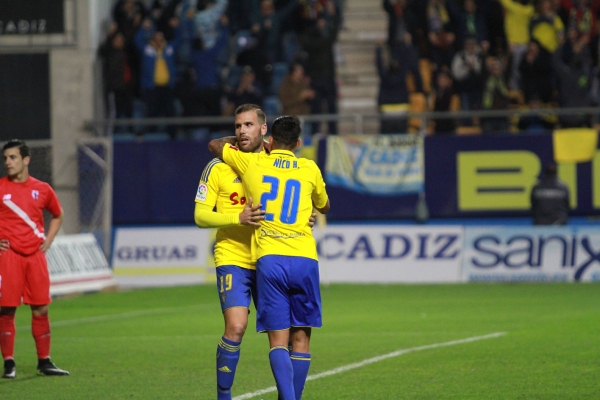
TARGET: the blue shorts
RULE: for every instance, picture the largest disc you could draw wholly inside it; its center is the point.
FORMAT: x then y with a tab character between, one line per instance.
288	293
236	286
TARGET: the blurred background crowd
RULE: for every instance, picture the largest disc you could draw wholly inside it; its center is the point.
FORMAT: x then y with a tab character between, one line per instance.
205	58
166	58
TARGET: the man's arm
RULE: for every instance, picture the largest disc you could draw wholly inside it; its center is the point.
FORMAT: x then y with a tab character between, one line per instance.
324	209
53	228
216	146
205	217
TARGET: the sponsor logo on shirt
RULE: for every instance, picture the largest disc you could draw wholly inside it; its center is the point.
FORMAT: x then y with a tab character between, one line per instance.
202	191
237	180
272	233
6	197
35	194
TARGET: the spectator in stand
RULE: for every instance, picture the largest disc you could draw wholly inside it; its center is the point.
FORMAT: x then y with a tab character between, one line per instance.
269	25
518	14
318	42
543	123
162	12
253	54
393	97
241	14
470	22
581	25
441	33
535	71
546	27
246	92
264	47
445	99
494	16
206	17
204	98
118	76
581	17
191	99
573	81
129	14
313	10
158	74
467	70
400	21
295	93
417	12
495	97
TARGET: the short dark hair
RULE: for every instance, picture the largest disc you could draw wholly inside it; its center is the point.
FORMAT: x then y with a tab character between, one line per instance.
286	130
23	149
262	118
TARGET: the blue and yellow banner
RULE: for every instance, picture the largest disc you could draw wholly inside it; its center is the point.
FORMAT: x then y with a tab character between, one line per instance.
378	165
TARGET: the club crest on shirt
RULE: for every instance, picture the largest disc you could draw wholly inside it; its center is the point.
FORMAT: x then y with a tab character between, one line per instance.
202	191
35	194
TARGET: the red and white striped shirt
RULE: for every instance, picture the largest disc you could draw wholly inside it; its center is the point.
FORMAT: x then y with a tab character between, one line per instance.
21	212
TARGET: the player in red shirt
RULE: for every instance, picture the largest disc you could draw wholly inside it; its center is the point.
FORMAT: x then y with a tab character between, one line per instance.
24	275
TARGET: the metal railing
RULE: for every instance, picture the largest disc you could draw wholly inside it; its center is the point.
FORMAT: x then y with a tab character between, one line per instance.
104	127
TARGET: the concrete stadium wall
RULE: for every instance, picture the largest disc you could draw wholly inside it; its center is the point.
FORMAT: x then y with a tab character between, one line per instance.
72	101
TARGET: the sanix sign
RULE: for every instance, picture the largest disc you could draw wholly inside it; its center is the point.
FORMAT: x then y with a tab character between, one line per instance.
531	254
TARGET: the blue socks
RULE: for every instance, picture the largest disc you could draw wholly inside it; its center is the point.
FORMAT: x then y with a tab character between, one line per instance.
281	365
228	355
300	364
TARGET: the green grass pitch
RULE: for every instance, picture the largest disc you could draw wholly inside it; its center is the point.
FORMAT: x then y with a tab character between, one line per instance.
161	344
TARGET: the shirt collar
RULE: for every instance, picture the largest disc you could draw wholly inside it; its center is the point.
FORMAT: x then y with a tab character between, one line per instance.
280	152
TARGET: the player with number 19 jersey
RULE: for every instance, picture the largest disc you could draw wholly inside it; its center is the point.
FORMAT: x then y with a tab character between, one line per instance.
282	183
220	186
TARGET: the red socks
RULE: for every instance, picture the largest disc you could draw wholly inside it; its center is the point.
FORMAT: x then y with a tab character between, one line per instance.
7	335
40	329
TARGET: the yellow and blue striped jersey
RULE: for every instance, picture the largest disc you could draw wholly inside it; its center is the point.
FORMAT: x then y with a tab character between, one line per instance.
221	186
286	187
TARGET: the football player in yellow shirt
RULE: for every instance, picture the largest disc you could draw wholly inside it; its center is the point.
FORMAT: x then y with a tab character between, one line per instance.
220	186
288	293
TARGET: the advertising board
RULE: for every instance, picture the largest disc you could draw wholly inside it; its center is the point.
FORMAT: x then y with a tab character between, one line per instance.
545	254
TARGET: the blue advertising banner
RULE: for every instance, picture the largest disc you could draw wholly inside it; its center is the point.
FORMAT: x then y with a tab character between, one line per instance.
484	176
156	182
512	254
348	204
464	176
389	165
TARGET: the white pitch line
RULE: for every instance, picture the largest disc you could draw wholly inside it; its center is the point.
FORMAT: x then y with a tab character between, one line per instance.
368	361
113	317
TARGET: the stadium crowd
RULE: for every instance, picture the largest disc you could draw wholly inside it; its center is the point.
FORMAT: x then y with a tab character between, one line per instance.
206	57
491	55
